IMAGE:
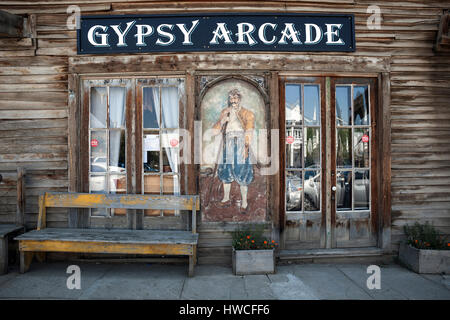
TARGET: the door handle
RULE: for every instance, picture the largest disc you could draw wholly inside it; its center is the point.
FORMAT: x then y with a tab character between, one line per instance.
333	188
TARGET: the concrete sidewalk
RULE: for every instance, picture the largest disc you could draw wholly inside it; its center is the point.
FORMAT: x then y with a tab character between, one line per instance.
159	281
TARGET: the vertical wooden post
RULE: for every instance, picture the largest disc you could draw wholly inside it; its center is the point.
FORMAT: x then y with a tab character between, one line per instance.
20	213
73	143
4	255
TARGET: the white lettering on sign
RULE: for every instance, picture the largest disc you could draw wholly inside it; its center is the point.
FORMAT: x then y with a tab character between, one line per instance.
187	33
104	36
141	34
247	34
308	33
331	34
222	33
289	33
245	30
262	33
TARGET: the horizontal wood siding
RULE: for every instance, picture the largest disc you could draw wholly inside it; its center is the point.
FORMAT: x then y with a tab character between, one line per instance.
34	101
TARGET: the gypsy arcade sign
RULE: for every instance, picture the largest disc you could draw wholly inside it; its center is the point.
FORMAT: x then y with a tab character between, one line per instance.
216	32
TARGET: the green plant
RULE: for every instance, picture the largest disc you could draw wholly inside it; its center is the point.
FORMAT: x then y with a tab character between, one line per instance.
425	236
251	238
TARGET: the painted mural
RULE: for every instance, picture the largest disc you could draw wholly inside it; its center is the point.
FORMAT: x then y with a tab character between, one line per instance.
231	187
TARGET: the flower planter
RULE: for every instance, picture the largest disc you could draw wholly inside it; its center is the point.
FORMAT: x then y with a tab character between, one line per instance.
253	261
424	261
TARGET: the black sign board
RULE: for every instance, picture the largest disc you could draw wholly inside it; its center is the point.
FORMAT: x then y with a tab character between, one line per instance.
216	32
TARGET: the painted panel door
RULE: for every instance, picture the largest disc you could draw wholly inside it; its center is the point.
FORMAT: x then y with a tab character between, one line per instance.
353	167
302	162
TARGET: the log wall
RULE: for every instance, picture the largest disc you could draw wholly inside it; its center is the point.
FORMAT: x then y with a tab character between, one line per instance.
34	99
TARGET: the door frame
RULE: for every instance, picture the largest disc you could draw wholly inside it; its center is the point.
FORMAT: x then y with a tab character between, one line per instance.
381	158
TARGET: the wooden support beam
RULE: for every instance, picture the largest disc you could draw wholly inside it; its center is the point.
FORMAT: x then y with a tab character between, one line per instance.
11	25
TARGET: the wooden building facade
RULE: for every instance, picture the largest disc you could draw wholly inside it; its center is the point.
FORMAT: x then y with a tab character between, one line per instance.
363	137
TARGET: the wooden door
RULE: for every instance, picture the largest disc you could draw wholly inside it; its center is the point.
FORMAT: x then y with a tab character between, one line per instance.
328	146
302	161
353	162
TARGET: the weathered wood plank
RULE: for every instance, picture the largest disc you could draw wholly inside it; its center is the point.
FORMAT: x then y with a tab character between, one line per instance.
111	236
88	200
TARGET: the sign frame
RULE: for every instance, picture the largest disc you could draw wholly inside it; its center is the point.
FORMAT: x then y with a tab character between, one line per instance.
87	21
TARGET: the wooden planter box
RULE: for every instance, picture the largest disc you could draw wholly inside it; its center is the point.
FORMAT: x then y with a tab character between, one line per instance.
253	261
424	261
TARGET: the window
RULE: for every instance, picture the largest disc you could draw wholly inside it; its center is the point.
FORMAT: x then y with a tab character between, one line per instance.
131	134
353	136
107	143
161	137
303	145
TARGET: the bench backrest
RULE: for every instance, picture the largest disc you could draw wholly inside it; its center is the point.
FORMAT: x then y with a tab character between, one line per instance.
117	201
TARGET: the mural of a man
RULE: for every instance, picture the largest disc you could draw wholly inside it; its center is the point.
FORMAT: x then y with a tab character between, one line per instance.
236	125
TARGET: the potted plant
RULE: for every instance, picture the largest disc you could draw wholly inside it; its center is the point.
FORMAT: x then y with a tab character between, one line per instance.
425	250
252	252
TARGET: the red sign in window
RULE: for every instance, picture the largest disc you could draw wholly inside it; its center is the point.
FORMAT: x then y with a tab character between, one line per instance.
365	138
173	142
94	143
290	139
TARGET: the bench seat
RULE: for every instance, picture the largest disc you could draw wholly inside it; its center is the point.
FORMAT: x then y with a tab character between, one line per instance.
6	231
116	241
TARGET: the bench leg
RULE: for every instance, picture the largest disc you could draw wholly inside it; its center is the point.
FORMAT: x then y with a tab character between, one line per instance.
25	260
4	255
191	265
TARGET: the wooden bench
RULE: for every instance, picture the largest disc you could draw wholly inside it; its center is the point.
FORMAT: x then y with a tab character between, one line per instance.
116	241
7	231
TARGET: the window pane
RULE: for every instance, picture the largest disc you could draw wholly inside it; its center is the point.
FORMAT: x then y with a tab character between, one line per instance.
361	147
97	184
293	105
294	188
361	105
362	189
344	148
312	148
150	107
117	184
152	186
117	151
98	151
344	190
294	147
311	105
117	107
312	190
98	107
343	106
170	143
169	97
151	145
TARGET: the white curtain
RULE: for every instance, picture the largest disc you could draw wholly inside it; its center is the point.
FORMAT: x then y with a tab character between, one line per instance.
169	99
117	120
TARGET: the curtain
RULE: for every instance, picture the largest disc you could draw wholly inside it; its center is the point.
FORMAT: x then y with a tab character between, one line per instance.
117	120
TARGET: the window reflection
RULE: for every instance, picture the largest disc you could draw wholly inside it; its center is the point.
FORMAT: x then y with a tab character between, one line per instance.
150	107
344	148
344	190
312	111
312	148
312	190
361	147
360	105
343	105
361	189
294	186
